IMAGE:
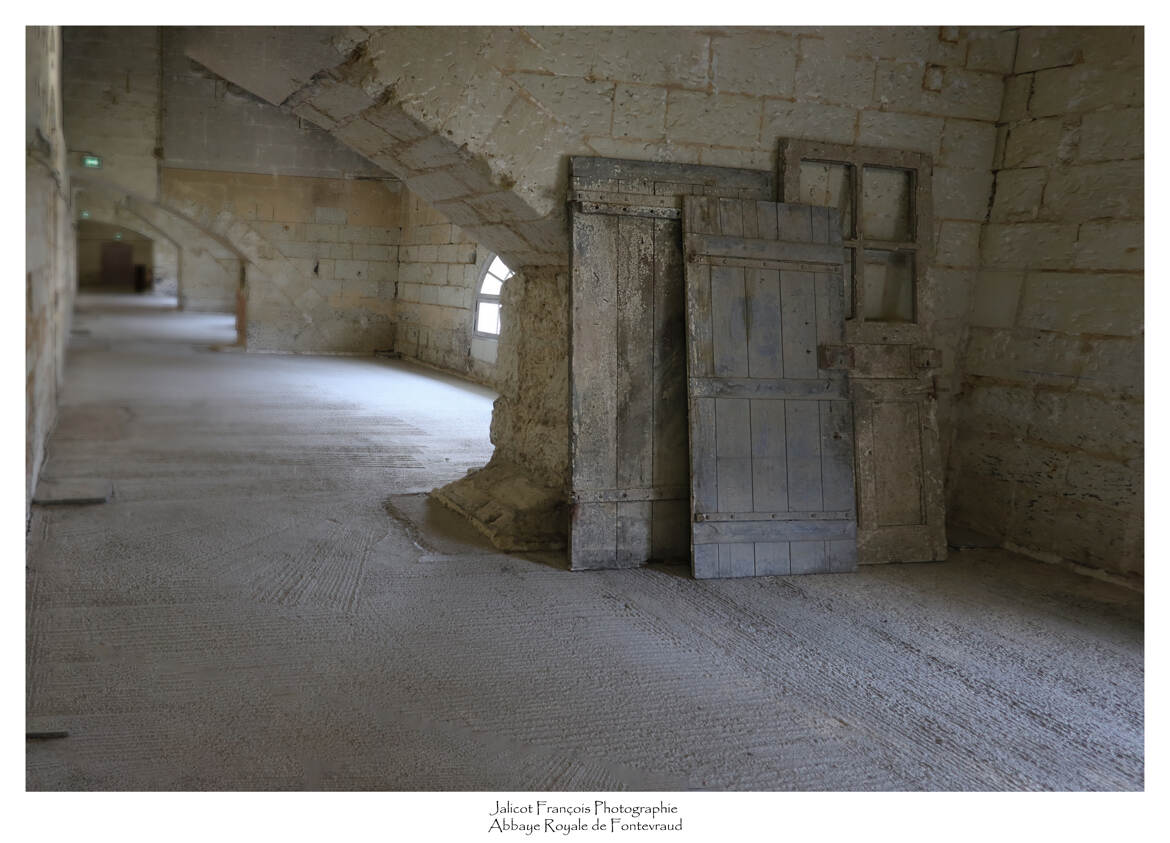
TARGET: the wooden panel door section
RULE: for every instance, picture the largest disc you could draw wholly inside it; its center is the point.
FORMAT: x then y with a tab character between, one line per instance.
884	198
771	426
627	371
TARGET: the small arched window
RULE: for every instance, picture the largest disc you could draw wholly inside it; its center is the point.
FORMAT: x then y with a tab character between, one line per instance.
487	303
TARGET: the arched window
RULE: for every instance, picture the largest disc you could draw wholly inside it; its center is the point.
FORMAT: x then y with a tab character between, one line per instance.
487	303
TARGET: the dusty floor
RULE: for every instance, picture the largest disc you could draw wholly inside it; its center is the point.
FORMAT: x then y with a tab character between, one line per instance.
268	602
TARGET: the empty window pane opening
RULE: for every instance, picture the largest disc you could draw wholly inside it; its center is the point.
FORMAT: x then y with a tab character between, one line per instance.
487	303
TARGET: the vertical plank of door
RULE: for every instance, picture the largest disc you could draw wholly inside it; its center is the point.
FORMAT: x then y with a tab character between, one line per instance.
704	482
763	334
635	356
837	455
729	322
594	385
798	330
733	454
773	559
737	560
802	423
593	536
898	463
633	532
700	345
809	557
769	456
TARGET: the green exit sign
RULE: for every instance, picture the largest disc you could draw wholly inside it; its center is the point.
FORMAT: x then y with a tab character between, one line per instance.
91	161
118	235
85	215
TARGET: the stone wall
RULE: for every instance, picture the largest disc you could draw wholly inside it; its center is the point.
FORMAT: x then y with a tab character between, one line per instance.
337	241
50	251
210	124
1050	449
113	101
438	276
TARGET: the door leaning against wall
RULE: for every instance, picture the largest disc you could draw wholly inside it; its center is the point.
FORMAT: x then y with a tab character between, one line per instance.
884	197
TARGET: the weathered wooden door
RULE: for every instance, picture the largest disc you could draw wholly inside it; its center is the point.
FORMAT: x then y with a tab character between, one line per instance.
628	434
884	198
117	265
771	427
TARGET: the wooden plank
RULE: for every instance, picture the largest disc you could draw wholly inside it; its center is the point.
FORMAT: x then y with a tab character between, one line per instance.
802	423
627	210
704	560
809	557
898	464
830	297
592	535
633	533
652	493
749	214
798	329
763	331
733	452
841	555
700	346
585	171
731	218
737	560
716	532
769	452
729	320
722	245
634	426
594	382
829	387
825	515
772	559
793	223
631	200
704	484
766	221
836	455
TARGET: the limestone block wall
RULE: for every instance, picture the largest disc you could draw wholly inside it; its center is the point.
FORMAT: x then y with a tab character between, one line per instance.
1050	446
210	124
438	276
112	102
50	246
337	239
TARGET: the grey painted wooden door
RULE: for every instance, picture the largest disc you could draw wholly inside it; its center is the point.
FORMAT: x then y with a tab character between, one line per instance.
771	426
884	198
628	434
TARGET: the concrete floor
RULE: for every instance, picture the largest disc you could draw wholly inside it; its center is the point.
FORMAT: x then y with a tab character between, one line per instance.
269	603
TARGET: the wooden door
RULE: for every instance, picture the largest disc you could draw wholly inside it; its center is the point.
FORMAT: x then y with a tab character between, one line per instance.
771	427
628	433
884	198
117	265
